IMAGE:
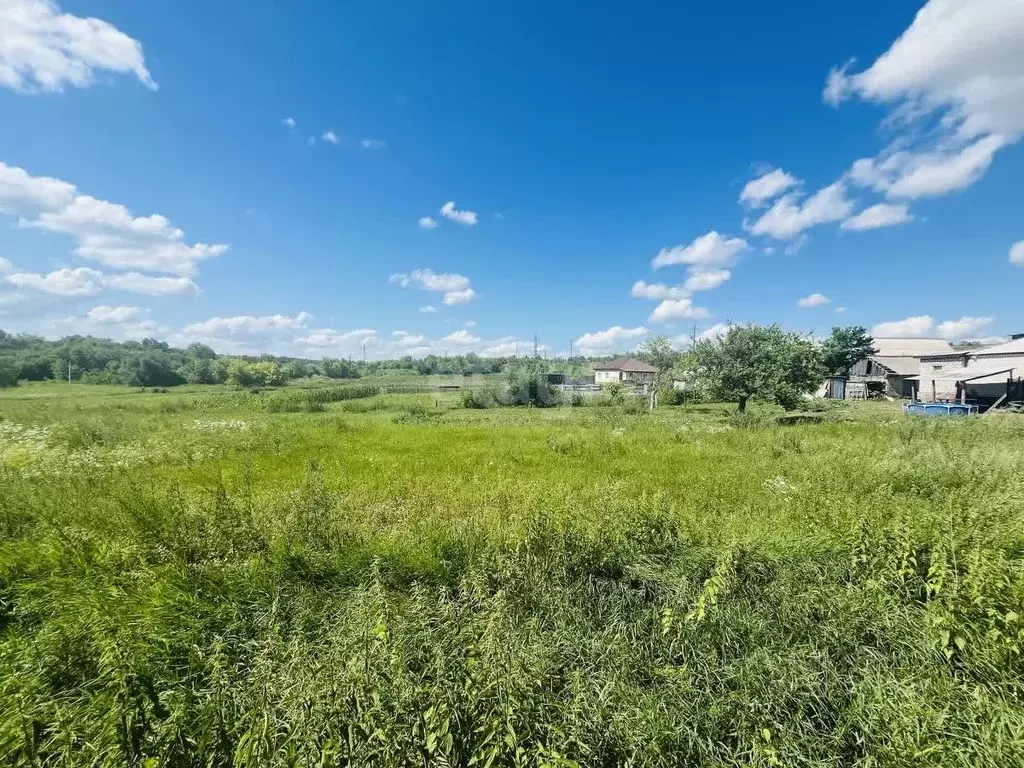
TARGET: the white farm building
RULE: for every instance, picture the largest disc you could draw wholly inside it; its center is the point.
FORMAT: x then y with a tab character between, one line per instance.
625	370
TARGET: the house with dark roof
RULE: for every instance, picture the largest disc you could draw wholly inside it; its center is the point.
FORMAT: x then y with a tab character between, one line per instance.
625	370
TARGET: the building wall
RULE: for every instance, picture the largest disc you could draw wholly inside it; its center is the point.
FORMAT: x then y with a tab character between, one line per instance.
607	377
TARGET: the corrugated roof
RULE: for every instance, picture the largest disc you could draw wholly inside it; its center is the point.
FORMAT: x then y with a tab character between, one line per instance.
901	366
626	364
1015	347
911	347
981	372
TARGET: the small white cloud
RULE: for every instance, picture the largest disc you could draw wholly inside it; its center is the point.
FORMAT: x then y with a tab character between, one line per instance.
709	251
311	141
289	122
80	281
105	315
428	309
466	218
330	137
814	300
328	339
1017	253
766	187
136	282
470	323
42	49
707	281
677	309
840	310
461	336
880	215
459	297
714	333
247	324
426	222
790	216
964	328
373	144
658	291
911	327
608	340
5	266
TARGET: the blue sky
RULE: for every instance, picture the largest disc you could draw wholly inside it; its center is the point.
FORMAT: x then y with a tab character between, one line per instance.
254	175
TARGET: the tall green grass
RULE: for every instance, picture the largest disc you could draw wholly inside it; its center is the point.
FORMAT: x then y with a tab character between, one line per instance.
410	585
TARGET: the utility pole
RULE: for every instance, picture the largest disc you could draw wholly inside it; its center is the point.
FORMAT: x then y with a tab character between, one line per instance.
69	370
364	353
535	355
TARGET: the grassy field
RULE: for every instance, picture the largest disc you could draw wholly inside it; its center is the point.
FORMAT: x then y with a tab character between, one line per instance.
210	577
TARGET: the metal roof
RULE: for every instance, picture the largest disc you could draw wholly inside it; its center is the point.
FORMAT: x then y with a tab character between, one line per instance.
886	347
627	364
901	366
980	372
1014	347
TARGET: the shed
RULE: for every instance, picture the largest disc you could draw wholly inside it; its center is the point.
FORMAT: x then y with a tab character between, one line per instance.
894	369
624	369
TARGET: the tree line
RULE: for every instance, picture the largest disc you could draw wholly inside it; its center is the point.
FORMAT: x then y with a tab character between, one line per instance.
149	363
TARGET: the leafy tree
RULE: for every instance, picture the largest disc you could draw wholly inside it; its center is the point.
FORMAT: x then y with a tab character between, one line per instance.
657	350
200	351
8	374
765	363
845	347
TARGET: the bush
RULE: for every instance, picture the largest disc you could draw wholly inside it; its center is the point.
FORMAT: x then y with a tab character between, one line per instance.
478	398
671	396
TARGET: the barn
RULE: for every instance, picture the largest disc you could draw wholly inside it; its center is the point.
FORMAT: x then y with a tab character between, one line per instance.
894	369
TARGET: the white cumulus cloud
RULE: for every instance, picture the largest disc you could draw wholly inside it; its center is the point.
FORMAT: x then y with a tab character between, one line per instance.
426	222
964	328
243	324
790	215
80	281
814	300
1017	253
461	336
455	287
911	327
42	49
709	251
467	218
962	61
658	291
767	187
104	232
677	309
609	340
373	144
879	215
288	122
330	137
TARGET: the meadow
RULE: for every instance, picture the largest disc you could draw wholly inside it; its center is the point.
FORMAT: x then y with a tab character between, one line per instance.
206	576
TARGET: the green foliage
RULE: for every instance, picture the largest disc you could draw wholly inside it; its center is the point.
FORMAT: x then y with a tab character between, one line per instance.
658	351
518	586
844	347
187	579
8	374
765	363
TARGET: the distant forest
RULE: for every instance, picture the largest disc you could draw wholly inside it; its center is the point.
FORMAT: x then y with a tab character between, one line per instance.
152	363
